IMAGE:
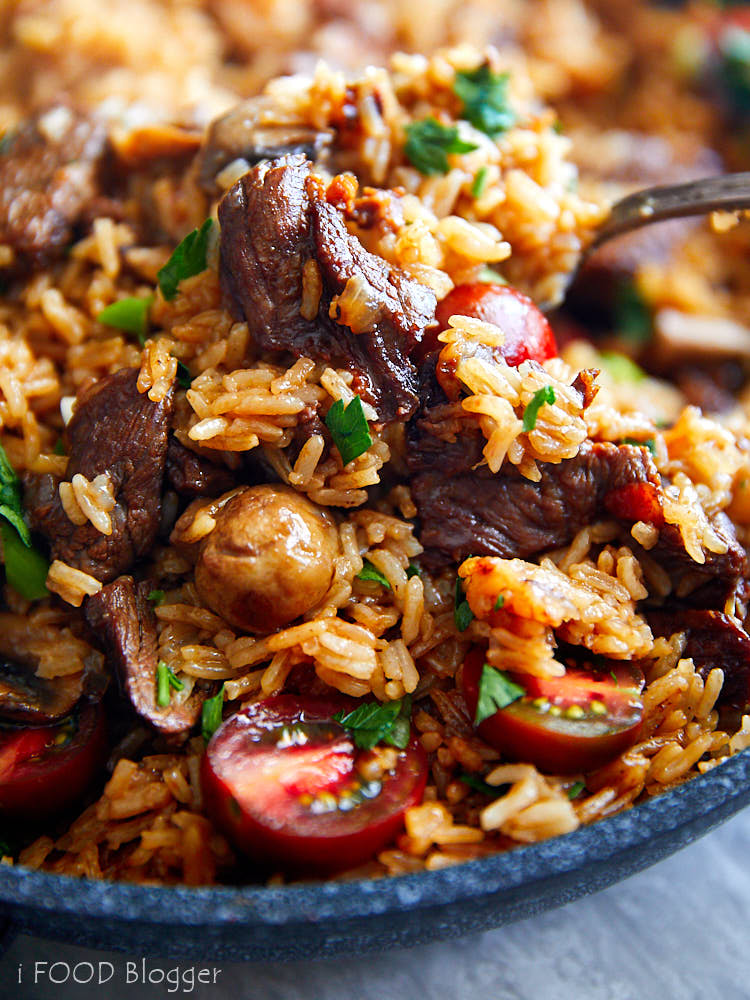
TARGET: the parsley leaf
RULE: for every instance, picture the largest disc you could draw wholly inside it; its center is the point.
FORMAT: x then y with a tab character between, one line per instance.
494	791
649	443
575	790
734	47
370	572
620	367
632	314
11	506
485	98
25	567
184	378
189	258
544	395
462	613
412	570
496	691
349	429
428	143
156	597
479	183
211	714
499	602
59	448
129	314
374	723
165	680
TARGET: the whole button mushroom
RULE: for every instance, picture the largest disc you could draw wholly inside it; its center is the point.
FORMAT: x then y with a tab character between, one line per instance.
269	559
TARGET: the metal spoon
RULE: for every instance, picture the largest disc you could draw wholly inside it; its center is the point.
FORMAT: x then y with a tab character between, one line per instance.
727	192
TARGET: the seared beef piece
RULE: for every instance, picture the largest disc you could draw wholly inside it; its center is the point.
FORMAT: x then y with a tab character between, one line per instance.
477	513
713	388
191	475
274	222
48	176
124	622
238	135
714	639
707	585
118	430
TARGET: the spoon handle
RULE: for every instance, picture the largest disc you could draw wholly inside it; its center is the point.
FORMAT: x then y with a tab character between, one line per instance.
656	204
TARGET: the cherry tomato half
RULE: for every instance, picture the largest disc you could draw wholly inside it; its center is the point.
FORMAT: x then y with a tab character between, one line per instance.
528	335
45	769
289	788
565	725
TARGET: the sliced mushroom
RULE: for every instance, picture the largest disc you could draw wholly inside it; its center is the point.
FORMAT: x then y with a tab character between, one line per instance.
679	336
24	697
245	137
125	623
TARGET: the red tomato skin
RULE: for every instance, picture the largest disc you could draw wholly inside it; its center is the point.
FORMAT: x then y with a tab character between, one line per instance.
276	845
46	784
524	738
528	335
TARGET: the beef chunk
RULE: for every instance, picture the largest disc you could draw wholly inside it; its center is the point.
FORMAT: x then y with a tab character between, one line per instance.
709	584
477	513
241	135
117	430
48	176
279	236
714	639
191	475
124	622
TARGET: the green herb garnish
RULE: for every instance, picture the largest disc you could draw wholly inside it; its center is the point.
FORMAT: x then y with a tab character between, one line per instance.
129	314
370	572
189	258
156	597
494	791
544	395
496	691
165	680
620	367
25	567
374	723
489	276
649	443
59	448
462	613
349	429
734	46
499	602
632	314
485	98
479	183
211	714
428	144
412	570
575	790
184	378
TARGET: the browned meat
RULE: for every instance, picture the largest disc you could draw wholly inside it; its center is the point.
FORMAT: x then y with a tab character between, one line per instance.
711	584
477	513
239	135
48	176
117	430
712	387
193	475
278	213
125	624
714	639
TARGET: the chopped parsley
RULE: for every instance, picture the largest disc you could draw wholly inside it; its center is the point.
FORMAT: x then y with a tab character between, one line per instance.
485	99
25	567
544	395
184	378
489	276
412	570
632	314
575	790
370	572
373	723
156	597
59	448
734	47
494	791
211	714
162	684
480	183
428	144
129	314
462	613
349	429
189	258
620	367
499	602
649	443
496	691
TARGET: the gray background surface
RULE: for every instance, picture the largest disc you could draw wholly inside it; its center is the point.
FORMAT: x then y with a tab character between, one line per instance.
678	931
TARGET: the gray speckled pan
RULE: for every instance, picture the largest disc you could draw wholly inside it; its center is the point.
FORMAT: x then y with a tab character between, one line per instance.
321	919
